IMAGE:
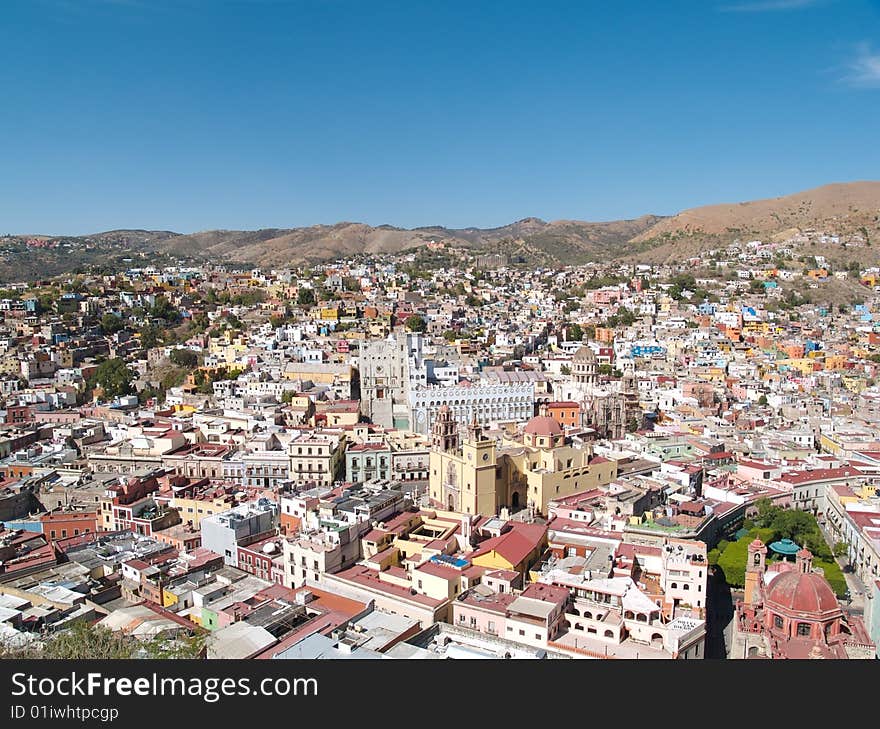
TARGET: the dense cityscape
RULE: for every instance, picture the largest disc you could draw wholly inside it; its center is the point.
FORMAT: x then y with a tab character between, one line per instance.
440	453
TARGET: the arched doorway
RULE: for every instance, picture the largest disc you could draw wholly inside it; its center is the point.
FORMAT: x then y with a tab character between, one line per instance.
514	500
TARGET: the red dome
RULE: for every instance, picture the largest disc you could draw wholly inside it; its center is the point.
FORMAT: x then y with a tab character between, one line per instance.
801	592
543	425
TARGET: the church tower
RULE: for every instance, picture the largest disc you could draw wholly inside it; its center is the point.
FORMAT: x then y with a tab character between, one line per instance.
755	568
444	432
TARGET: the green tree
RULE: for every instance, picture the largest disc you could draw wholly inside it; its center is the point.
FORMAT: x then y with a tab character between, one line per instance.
840	549
151	336
762	400
85	641
416	323
110	323
114	378
162	309
305	298
574	332
184	358
147	392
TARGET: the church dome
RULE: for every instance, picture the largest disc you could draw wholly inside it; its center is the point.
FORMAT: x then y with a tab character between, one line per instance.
584	354
801	592
543	425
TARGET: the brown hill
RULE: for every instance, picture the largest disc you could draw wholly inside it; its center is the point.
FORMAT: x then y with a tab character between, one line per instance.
560	240
842	208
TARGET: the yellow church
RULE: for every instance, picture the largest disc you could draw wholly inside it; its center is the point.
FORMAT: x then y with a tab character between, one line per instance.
475	475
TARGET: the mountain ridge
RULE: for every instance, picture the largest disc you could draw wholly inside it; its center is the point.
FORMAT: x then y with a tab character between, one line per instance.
848	208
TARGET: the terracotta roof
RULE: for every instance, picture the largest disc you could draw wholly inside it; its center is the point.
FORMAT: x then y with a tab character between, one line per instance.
543	425
801	592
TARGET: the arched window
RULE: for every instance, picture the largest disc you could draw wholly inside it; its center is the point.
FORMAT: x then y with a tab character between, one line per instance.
804	629
687	586
609	633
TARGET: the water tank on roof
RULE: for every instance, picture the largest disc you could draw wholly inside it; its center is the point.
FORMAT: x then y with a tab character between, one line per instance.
269	548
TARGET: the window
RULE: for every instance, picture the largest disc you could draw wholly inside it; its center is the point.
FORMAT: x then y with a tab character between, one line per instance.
491	626
804	629
522	632
778	622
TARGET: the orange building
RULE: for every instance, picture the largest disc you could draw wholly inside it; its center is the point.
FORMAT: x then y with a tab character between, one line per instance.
64	524
566	413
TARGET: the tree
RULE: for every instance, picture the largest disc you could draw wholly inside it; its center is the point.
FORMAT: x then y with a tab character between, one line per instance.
605	369
415	323
305	298
110	323
574	333
114	378
150	336
162	309
767	512
762	400
184	358
149	392
840	549
565	370
85	641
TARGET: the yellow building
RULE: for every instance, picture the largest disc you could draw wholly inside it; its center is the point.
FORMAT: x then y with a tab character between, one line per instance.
476	477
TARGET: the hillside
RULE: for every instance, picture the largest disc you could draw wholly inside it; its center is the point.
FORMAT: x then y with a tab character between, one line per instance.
847	209
841	208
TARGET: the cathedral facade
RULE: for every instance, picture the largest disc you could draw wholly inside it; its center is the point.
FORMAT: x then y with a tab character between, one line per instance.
610	412
476	475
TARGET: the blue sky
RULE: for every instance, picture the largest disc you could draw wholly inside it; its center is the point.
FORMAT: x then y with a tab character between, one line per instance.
196	114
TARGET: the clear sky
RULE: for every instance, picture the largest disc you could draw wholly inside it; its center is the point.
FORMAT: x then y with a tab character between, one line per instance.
196	114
